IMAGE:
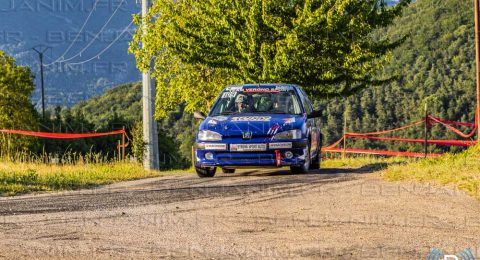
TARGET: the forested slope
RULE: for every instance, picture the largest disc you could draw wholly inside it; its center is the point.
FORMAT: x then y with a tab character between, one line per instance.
122	106
435	65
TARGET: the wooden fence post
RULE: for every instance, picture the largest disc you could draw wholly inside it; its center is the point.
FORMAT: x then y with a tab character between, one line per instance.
193	156
425	144
123	144
119	150
344	154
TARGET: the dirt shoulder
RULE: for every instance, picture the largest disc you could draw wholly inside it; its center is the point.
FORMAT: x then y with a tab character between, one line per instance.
333	213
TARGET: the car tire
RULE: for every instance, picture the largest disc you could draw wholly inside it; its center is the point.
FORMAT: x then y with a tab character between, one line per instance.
228	170
206	172
315	164
305	166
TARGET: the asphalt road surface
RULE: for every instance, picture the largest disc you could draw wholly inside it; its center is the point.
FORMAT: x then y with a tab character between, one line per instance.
327	214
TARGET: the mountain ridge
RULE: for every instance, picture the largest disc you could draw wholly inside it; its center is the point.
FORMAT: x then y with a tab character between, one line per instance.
26	24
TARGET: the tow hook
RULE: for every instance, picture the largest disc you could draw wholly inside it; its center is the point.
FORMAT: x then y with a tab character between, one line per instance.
278	158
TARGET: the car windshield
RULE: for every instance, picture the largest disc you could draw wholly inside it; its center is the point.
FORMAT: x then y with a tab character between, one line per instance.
238	100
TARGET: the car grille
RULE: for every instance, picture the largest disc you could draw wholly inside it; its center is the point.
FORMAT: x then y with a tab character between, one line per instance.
245	157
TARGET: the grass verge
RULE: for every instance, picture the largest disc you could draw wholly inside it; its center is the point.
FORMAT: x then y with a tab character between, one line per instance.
18	178
460	170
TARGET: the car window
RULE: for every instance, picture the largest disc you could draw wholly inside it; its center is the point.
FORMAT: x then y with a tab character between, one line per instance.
306	102
257	100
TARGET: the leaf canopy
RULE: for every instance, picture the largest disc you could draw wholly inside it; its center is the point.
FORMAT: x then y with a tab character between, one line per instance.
199	46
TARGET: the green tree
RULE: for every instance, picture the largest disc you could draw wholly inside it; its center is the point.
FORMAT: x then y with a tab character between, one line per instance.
327	46
16	111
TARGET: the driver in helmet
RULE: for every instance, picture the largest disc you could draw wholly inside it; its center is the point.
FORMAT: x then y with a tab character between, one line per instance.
241	104
265	103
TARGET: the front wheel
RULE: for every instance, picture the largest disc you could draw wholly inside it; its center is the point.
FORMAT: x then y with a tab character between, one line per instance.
206	172
316	161
305	166
315	165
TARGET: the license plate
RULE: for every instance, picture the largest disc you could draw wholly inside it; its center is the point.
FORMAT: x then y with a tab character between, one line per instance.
215	146
248	147
285	145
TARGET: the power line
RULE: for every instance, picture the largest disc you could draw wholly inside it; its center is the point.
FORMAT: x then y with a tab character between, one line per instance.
94	38
78	34
106	48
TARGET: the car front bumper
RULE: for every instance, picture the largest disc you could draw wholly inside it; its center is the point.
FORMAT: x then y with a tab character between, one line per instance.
275	155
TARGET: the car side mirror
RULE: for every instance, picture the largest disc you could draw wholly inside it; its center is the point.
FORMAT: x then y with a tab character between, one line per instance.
315	114
199	115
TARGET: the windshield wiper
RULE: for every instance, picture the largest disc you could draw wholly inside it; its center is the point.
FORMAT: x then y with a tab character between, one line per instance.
278	112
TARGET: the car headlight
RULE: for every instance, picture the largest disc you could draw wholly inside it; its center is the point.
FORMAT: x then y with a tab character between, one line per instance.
207	135
291	134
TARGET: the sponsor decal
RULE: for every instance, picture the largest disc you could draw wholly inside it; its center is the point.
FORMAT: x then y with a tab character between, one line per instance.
273	130
229	94
283	145
289	120
251	118
235	88
212	122
260	90
283	88
215	146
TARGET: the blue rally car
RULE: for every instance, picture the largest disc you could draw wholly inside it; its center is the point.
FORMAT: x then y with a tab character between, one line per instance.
256	126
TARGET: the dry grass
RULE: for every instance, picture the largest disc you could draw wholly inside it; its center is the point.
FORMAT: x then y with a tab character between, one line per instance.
461	171
24	177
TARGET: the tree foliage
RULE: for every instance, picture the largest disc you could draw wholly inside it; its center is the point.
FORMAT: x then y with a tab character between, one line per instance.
16	111
327	46
121	106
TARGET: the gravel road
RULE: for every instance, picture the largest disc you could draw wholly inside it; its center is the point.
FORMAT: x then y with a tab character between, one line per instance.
327	214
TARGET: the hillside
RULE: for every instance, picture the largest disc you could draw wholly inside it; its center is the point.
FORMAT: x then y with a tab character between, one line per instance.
122	102
434	65
25	24
121	106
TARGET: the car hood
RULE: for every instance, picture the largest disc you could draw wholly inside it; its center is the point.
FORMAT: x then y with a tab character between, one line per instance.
259	125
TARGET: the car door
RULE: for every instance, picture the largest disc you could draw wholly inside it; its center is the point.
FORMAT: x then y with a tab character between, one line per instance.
312	124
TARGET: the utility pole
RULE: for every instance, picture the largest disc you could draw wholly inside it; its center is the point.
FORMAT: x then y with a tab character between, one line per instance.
477	59
41	50
150	136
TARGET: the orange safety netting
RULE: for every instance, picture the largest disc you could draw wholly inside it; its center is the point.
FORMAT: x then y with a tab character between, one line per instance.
62	135
395	129
406	140
429	119
448	124
68	136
